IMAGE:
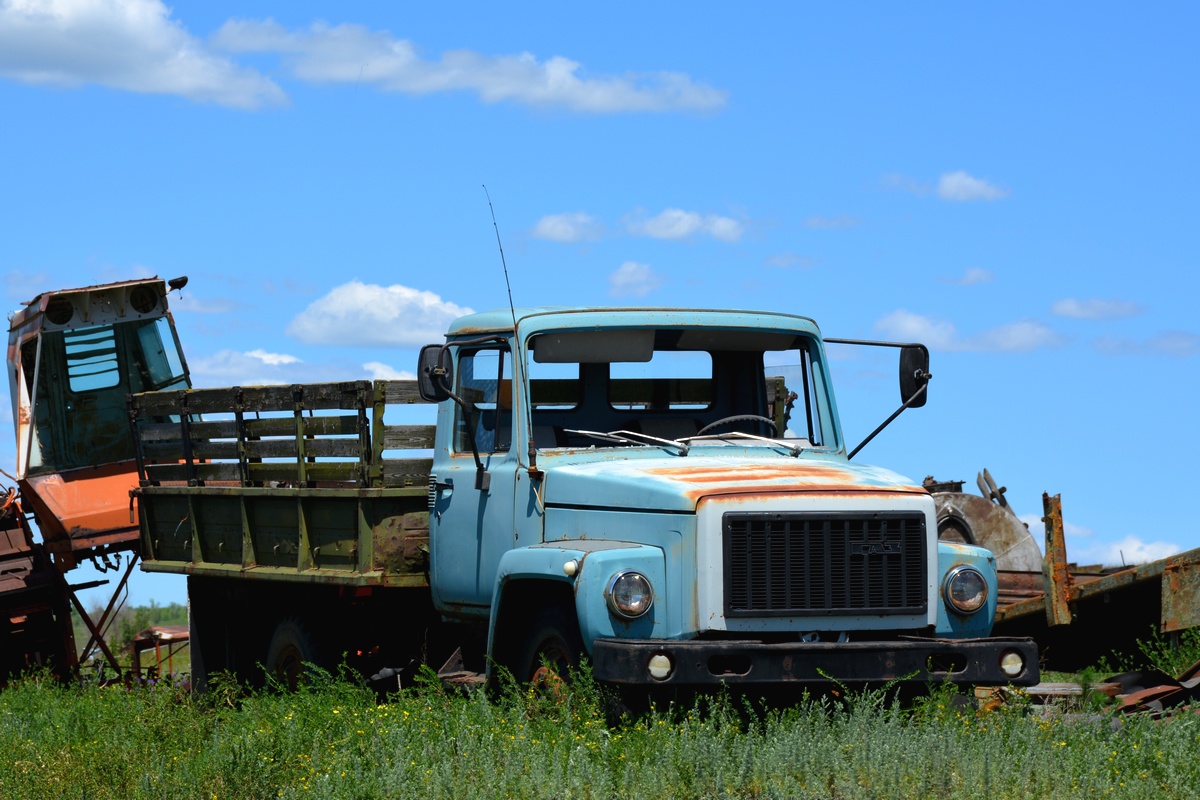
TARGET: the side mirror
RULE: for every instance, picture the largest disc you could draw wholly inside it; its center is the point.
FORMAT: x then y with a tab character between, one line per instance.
914	374
435	373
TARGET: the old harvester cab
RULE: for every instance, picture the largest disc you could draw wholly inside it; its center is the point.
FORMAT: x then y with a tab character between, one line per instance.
73	356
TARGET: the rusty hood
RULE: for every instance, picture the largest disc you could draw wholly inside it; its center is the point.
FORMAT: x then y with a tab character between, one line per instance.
677	483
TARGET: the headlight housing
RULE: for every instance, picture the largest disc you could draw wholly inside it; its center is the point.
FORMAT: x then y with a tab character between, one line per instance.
965	589
629	594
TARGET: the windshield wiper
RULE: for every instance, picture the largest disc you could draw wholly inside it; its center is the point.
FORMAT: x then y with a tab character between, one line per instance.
632	437
794	449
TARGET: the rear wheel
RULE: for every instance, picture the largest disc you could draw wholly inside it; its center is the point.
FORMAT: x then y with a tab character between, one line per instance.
293	647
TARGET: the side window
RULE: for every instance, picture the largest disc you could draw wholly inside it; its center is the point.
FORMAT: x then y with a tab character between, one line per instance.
793	388
483	378
91	359
161	359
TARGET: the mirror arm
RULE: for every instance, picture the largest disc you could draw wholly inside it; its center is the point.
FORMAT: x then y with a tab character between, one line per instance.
916	395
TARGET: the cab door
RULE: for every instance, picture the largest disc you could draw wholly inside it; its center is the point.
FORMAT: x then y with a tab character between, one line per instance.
471	521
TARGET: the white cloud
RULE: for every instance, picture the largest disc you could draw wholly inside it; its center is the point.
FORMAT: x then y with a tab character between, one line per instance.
385	372
356	313
572	227
1179	344
1084	547
909	327
632	279
1129	550
675	223
233	368
963	188
972	277
1015	337
273	359
350	53
133	45
1095	309
830	223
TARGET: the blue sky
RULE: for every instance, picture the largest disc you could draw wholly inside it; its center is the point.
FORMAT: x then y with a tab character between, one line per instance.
1013	185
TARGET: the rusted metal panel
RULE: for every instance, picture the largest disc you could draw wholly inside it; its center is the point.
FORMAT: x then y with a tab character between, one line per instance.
1054	569
1181	592
985	522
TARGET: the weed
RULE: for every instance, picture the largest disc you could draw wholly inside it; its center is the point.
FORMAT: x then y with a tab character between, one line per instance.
333	738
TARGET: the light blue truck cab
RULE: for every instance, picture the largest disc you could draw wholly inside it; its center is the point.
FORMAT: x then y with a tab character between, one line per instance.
668	493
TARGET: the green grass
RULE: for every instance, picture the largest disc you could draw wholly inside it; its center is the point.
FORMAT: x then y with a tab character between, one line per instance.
333	739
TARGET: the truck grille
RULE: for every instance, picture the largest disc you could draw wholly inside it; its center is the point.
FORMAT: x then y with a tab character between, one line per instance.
824	564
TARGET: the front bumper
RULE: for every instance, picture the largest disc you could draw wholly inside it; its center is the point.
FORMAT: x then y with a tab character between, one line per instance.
974	662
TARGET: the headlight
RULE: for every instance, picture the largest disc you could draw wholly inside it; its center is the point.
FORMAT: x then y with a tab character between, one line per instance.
965	589
629	594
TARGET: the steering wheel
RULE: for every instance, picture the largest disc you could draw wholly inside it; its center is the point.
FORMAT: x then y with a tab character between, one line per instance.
738	418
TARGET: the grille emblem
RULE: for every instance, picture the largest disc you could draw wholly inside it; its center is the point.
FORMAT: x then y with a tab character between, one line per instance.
875	549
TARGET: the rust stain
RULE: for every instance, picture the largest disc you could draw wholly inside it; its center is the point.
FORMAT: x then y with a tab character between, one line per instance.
1181	594
770	480
1054	568
750	493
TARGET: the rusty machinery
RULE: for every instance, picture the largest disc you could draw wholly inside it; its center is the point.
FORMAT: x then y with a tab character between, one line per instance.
73	357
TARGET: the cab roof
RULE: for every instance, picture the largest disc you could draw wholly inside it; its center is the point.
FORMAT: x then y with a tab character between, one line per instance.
532	319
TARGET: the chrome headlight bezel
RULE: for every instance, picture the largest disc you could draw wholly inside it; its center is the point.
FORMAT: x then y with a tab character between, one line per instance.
622	587
960	596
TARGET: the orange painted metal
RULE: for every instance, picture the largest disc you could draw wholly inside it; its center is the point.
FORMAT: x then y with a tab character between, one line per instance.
86	508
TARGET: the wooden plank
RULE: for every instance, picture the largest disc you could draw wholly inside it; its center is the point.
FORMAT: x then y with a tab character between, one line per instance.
408	437
204	401
329	425
213	429
202	449
316	396
150	404
398	392
150	432
163	451
179	473
318	448
673	391
206	449
320	471
406	471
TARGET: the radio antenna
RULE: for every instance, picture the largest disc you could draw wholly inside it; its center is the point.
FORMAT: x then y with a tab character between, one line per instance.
503	263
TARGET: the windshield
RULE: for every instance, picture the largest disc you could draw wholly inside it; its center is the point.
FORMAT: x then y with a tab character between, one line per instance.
83	375
640	386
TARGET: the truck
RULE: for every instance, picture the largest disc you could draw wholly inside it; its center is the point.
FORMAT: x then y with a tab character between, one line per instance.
666	493
73	357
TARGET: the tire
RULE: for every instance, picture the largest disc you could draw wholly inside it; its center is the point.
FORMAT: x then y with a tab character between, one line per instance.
292	652
552	635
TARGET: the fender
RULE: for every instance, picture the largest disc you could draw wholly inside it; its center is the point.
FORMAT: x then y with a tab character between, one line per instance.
951	624
593	564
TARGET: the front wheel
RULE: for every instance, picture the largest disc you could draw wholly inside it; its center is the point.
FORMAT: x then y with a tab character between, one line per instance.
553	639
